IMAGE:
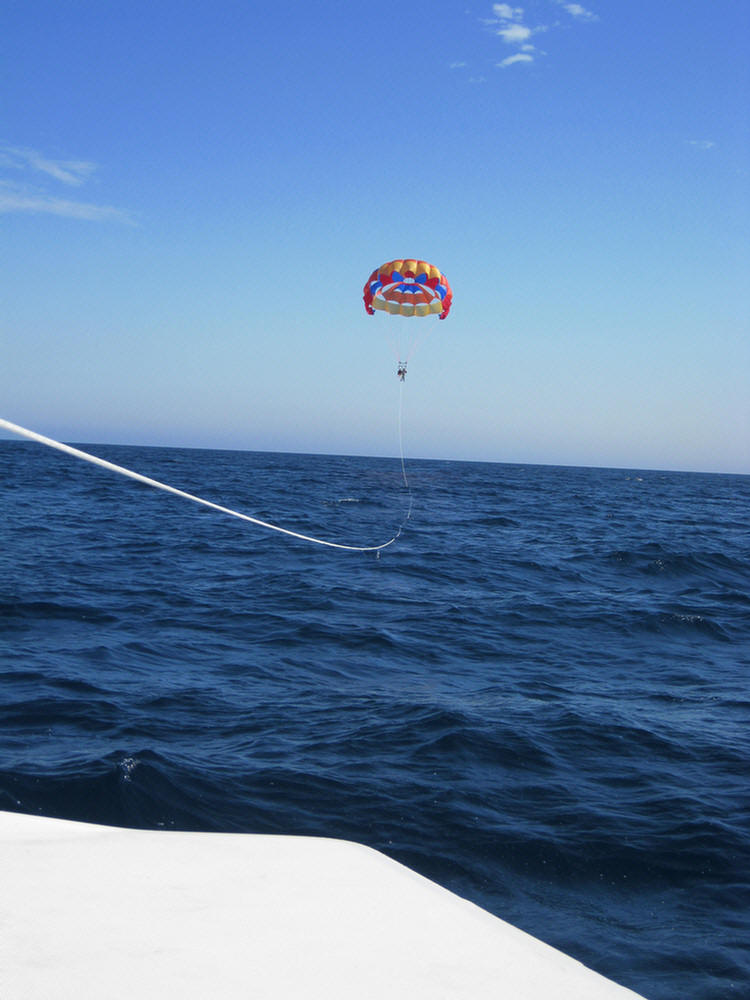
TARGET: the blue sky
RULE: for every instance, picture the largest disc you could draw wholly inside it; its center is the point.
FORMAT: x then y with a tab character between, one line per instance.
193	195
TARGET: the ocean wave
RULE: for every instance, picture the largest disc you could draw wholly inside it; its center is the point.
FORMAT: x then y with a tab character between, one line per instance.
536	697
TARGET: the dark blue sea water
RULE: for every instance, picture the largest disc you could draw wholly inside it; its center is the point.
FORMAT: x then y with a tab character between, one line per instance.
538	696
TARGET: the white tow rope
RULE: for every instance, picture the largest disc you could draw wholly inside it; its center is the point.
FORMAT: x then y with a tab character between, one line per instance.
86	457
401	450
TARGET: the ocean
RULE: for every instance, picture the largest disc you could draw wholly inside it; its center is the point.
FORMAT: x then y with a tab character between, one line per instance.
537	696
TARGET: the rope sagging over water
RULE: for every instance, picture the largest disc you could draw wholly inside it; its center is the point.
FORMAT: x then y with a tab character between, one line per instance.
122	471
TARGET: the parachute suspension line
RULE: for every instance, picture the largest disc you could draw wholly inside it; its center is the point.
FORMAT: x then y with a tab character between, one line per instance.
86	457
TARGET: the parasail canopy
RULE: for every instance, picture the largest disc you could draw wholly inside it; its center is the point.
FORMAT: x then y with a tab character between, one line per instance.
408	288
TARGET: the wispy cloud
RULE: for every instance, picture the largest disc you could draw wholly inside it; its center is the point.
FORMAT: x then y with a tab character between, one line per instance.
511	24
28	184
578	11
508	23
71	172
506	12
15	198
701	143
520	57
514	34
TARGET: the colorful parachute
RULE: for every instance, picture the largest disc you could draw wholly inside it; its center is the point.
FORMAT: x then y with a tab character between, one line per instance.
408	288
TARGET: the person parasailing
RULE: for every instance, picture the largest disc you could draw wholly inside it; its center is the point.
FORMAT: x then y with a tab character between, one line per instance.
407	288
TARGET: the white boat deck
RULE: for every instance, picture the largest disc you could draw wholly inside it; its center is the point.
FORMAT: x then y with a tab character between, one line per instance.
97	912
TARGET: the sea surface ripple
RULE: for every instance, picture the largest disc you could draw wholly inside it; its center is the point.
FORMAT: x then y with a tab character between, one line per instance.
538	696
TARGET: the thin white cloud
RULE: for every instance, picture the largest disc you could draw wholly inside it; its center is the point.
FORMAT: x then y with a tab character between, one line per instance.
505	12
71	172
520	57
508	24
701	143
32	194
13	200
514	34
456	65
578	11
511	25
